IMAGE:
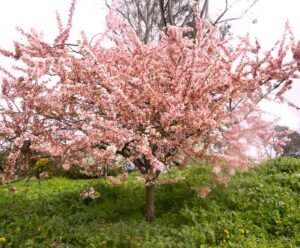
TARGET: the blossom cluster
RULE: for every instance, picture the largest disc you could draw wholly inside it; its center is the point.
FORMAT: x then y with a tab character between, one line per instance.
90	194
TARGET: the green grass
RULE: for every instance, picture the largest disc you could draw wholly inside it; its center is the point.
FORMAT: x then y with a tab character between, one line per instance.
259	208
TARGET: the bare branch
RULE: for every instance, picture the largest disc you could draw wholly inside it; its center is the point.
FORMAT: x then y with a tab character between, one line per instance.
204	10
222	14
170	14
240	16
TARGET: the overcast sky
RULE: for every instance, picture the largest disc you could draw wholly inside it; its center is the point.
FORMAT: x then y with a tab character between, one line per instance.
271	17
90	16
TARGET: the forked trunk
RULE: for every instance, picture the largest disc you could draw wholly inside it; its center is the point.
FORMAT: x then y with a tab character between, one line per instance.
150	202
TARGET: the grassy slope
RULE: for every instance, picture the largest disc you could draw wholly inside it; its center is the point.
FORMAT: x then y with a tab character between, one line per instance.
259	208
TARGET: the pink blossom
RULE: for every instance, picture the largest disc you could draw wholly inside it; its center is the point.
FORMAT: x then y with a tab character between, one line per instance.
13	189
221	180
217	170
155	104
66	166
114	180
90	193
202	192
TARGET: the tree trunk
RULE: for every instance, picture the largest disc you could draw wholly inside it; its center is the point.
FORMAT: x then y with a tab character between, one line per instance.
150	201
105	170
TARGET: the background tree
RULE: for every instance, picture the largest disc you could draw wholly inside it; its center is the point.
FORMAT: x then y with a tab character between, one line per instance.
292	146
270	141
150	103
150	17
275	140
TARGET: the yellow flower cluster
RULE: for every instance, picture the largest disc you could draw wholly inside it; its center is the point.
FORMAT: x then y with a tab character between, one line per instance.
2	240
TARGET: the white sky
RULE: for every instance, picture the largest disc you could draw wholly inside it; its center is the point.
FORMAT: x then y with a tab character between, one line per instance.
90	16
271	17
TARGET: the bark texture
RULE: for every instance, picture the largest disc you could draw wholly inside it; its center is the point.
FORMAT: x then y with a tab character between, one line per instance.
150	202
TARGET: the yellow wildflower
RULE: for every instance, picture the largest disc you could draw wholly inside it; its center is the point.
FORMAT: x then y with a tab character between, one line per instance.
242	231
278	222
104	242
226	231
146	236
2	240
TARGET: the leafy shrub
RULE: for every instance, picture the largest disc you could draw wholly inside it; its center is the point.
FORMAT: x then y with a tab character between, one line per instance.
43	166
115	171
74	172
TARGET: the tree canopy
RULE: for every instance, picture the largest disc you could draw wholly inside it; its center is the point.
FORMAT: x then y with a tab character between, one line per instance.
172	100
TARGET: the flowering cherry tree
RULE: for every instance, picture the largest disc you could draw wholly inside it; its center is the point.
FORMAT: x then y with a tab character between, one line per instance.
154	104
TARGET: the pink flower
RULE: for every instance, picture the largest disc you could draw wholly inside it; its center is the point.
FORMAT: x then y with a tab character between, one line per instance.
114	180
231	171
202	192
221	180
66	166
125	176
217	170
13	189
296	54
90	193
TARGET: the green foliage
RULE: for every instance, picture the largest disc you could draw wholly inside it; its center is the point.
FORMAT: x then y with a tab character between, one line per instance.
43	165
115	171
53	167
73	173
46	168
292	147
259	208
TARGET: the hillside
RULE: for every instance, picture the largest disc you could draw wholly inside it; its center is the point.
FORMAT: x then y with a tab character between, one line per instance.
258	208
